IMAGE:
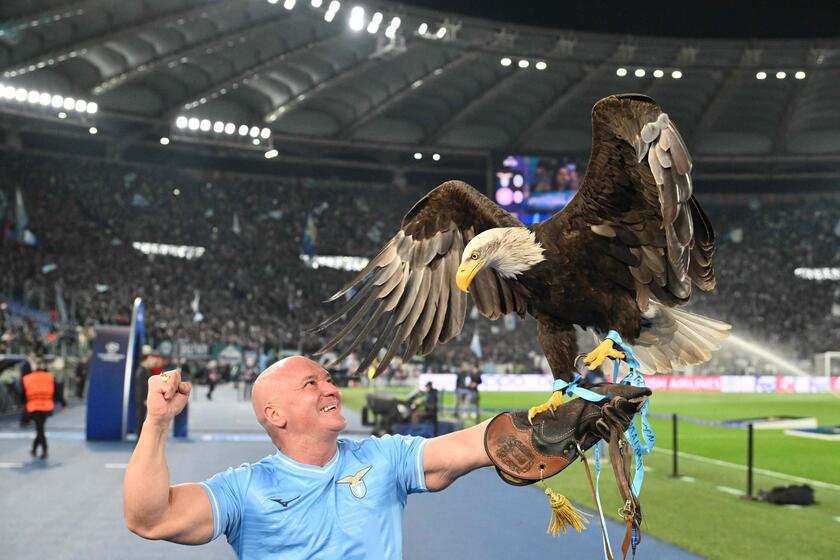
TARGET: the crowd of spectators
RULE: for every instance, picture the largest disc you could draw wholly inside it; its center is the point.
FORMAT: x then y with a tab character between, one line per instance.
252	288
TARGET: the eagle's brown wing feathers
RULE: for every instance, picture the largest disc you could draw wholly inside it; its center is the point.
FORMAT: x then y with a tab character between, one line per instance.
638	193
406	296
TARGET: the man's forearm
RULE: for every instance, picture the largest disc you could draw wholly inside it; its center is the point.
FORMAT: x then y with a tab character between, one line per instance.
146	484
454	455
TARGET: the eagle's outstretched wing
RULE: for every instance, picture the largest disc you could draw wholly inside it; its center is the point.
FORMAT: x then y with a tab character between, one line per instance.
408	290
638	193
636	219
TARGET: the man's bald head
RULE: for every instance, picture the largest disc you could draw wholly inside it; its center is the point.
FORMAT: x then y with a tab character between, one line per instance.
269	383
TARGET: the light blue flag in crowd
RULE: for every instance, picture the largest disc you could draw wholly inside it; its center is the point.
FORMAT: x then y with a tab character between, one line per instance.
310	233
475	344
22	233
21	219
139	201
60	304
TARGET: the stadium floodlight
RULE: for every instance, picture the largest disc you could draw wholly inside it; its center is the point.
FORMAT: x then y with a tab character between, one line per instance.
255	131
424	27
62	115
639	73
230	128
332	10
81	105
417	84
621	72
523	63
317	3
272	1
93	130
418	155
176	191
289	4
761	75
541	65
265	133
218	127
436	157
205	125
505	61
20	95
272	153
193	123
92	108
9	92
441	32
181	122
676	74
57	101
799	75
33	97
69	103
781	75
391	31
357	18
45	99
164	141
658	73
255	141
375	22
243	130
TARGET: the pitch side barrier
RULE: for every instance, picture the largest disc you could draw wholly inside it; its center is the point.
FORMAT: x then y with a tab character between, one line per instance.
735	424
541	382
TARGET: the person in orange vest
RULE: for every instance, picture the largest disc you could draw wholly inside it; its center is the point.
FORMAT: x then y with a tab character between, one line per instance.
41	392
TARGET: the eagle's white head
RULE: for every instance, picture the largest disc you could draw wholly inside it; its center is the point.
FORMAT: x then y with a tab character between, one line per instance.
509	251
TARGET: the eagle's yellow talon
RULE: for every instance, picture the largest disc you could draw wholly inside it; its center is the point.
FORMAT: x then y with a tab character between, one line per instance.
554	401
603	351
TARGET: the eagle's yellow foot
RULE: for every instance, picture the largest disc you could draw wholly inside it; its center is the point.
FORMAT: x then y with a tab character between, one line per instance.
602	352
555	400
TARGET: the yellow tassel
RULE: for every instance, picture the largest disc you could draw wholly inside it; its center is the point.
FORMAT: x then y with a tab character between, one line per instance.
564	514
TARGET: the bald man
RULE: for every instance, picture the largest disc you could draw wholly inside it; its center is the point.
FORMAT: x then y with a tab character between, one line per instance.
318	496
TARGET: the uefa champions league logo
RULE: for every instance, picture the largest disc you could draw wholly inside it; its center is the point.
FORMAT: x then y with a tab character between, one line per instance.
112	352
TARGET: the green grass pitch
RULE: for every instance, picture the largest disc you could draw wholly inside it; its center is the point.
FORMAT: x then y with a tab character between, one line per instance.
700	511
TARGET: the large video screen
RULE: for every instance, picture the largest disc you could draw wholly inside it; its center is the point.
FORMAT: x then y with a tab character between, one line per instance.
535	188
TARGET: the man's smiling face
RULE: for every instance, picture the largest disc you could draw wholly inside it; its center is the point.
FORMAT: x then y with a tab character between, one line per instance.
311	400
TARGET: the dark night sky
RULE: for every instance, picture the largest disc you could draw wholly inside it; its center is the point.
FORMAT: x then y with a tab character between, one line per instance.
694	18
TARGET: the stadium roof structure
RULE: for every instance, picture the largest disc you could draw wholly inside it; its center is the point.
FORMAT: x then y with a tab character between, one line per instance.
336	79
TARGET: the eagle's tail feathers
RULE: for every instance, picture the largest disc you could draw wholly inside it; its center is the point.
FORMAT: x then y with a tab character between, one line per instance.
673	339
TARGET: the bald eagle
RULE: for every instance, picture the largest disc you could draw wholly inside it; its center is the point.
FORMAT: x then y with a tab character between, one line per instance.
622	255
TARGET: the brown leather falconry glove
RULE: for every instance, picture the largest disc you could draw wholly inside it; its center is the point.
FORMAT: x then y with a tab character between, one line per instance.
524	453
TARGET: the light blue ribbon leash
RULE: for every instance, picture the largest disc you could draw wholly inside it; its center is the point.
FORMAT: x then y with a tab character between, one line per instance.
635	379
574	388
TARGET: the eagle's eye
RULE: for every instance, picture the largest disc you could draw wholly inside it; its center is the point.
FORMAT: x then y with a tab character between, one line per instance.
474	256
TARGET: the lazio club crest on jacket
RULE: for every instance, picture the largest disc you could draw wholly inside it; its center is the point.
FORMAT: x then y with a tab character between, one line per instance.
356	482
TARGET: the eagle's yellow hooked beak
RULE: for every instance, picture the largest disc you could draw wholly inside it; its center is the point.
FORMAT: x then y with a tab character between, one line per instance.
466	273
